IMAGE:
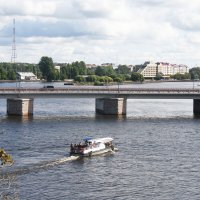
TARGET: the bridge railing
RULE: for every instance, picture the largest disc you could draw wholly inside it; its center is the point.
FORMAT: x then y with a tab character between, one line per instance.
101	90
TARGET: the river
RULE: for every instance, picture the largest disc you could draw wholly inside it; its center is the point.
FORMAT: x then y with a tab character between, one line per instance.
158	157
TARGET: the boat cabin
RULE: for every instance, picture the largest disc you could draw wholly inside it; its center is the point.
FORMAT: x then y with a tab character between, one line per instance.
91	145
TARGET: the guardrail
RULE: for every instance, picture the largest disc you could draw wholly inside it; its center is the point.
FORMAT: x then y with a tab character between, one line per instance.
100	90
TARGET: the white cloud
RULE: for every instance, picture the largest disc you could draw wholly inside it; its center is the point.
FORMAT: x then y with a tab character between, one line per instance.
122	31
27	7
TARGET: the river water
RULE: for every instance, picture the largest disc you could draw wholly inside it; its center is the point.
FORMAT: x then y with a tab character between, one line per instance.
158	157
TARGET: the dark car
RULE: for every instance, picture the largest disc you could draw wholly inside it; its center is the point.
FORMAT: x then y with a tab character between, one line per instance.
49	86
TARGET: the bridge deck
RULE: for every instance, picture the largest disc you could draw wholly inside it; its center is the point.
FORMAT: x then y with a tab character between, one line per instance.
101	92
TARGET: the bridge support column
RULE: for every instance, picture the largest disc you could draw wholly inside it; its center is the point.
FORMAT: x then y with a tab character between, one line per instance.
112	106
196	107
19	106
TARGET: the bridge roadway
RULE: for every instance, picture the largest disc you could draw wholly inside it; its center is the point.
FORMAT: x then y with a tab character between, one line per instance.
101	92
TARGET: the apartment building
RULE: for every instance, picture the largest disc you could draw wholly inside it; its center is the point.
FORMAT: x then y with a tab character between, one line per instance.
151	69
148	69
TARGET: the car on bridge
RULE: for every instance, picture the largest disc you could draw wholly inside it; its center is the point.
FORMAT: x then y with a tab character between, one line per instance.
48	86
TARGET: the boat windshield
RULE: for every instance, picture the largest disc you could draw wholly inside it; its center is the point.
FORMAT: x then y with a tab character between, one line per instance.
101	140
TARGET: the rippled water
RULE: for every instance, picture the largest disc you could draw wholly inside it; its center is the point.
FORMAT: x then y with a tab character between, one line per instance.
158	157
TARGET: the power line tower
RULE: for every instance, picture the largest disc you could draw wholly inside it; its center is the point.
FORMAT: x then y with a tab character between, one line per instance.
14	54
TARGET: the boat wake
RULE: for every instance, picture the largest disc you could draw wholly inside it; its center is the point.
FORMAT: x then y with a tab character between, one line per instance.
39	166
34	168
49	164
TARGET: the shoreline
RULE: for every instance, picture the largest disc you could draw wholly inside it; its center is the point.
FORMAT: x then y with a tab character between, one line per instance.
113	83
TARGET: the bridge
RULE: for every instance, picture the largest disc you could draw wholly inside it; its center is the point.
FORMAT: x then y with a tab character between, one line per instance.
109	100
101	92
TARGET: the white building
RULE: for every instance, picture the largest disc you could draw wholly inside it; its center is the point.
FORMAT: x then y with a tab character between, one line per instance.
108	64
130	67
57	67
151	69
90	66
168	69
26	76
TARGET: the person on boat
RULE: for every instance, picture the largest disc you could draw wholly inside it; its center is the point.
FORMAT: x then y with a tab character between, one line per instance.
71	147
94	144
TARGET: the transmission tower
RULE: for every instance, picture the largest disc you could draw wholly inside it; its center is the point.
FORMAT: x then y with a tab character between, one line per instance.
14	54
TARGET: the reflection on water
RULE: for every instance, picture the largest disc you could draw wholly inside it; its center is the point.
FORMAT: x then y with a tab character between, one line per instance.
19	119
110	117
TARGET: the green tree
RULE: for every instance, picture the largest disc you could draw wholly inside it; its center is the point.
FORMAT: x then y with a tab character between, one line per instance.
179	76
47	68
109	71
11	75
3	75
118	79
92	78
105	71
108	79
79	78
63	73
105	79
195	73
91	71
186	76
159	76
123	69
82	68
100	71
137	77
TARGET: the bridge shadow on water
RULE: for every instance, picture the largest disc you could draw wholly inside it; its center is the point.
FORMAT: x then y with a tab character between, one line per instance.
19	119
29	119
96	117
197	117
110	117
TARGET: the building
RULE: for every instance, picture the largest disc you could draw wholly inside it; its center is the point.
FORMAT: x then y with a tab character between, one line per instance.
130	67
57	67
108	64
148	69
151	69
26	76
168	69
90	66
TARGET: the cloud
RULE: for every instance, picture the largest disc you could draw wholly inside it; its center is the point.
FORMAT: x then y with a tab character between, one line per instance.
27	7
123	31
186	20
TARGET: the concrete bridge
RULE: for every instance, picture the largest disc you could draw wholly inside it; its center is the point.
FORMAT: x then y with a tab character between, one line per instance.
109	100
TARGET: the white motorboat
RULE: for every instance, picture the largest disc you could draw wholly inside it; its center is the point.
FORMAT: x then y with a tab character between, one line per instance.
90	147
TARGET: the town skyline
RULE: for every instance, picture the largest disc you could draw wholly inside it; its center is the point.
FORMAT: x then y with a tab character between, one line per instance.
121	32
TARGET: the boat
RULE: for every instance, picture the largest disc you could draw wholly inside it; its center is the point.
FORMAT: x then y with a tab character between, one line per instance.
91	147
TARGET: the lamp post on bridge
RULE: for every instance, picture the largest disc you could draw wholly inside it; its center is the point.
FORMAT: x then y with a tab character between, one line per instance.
118	86
196	78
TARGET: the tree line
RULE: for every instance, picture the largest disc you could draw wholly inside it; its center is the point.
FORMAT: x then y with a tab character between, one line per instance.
45	69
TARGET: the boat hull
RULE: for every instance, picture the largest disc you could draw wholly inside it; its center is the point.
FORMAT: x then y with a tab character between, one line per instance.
93	153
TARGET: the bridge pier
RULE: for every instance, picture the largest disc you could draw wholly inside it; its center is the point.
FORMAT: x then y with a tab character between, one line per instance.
111	106
196	107
19	106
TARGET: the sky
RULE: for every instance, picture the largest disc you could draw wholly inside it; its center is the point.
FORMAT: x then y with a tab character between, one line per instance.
101	31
